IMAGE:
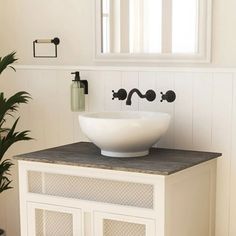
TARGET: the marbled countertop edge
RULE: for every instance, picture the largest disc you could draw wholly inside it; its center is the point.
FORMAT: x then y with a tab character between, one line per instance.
159	162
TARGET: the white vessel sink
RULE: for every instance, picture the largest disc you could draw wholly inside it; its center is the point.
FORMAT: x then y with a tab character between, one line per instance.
124	134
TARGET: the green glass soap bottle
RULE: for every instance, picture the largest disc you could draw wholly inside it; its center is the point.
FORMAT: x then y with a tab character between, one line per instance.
78	90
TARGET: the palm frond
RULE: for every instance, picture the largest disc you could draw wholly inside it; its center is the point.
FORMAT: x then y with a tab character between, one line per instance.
12	137
5	184
9	136
4	171
5	167
7	61
3	130
8	106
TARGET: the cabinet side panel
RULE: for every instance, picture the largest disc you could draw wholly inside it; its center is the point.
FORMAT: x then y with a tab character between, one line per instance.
190	202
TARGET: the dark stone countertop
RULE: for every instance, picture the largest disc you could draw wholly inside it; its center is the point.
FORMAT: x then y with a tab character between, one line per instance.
158	162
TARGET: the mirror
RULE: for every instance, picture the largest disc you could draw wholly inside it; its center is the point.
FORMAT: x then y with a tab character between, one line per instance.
131	26
156	29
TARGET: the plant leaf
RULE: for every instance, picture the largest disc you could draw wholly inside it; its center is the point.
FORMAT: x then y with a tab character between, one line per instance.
7	61
7	106
11	138
4	180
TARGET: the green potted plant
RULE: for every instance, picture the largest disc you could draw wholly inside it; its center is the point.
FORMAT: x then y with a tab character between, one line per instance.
9	135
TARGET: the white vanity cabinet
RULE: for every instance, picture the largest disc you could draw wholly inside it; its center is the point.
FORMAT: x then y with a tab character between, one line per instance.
67	200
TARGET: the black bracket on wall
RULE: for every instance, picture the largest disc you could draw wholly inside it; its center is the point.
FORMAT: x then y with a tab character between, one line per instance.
55	41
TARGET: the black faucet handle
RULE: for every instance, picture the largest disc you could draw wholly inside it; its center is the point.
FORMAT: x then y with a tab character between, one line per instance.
150	95
169	96
121	94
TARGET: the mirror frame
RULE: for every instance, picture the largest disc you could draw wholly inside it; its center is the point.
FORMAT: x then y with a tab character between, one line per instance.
204	36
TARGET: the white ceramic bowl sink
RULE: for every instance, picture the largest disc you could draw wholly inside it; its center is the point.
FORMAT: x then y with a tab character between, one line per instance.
124	134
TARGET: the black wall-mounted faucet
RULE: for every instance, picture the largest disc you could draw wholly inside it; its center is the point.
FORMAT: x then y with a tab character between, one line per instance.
150	95
121	94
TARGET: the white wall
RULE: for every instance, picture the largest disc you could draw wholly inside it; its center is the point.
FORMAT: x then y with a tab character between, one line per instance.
203	118
23	21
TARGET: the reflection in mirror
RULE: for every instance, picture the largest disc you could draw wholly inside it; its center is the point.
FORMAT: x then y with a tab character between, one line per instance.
131	26
184	26
150	26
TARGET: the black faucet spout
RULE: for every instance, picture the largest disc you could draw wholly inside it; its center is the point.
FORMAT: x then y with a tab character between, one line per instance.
128	101
150	95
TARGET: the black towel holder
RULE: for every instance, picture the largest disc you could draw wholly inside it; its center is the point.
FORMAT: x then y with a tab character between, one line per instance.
55	41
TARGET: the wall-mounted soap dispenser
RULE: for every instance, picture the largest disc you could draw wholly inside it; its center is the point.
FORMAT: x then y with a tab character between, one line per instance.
78	90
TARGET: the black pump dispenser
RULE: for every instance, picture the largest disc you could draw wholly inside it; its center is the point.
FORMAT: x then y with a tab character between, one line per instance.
77	76
78	90
83	82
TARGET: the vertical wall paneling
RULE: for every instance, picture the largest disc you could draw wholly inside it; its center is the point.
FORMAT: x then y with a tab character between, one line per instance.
202	111
62	108
232	229
50	106
38	88
183	111
221	142
96	96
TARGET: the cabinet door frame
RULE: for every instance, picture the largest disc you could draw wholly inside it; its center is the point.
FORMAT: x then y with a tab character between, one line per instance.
76	216
98	218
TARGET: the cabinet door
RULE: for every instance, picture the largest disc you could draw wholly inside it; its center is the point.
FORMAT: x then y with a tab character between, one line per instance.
107	224
51	220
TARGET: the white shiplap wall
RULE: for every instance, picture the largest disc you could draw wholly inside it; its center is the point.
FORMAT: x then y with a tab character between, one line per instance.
203	118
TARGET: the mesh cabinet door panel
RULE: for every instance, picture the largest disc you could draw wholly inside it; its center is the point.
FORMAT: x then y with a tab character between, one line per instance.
52	220
92	189
108	224
52	223
119	228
